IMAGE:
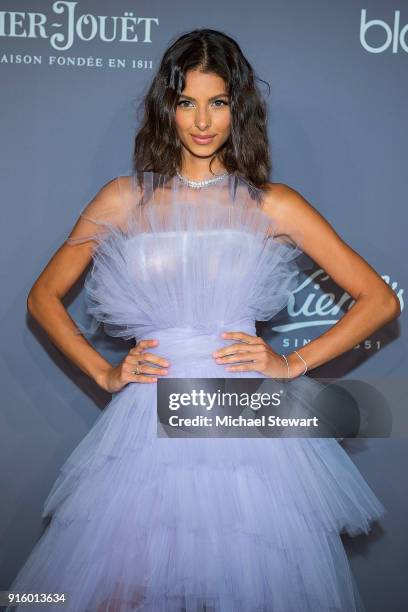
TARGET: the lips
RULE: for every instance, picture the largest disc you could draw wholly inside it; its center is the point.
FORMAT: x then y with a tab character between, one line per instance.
203	140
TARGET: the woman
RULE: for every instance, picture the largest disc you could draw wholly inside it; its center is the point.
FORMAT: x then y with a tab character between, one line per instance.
188	252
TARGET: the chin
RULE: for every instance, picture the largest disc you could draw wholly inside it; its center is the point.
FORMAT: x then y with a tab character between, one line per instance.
204	153
202	150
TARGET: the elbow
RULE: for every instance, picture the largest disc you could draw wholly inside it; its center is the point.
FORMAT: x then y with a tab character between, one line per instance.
34	300
38	298
397	306
385	304
391	305
31	299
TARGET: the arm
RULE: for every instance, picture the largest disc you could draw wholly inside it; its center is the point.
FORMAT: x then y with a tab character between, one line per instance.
376	304
44	300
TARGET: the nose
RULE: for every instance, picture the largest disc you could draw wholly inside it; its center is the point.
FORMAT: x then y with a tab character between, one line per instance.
202	118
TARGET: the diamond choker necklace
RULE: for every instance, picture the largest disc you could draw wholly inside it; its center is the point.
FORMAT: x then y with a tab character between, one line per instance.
198	184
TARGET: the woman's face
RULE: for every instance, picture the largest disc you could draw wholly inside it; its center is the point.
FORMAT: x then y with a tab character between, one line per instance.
203	116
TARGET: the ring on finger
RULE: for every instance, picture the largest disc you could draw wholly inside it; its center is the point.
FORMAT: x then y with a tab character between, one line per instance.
136	371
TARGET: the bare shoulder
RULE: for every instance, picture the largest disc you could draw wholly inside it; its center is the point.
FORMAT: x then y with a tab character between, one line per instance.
109	191
281	199
124	182
128	186
288	208
118	190
110	200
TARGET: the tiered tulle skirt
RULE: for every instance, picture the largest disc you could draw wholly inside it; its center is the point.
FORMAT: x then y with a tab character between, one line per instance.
156	524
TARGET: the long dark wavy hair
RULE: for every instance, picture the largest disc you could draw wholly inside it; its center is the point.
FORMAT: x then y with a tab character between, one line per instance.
157	146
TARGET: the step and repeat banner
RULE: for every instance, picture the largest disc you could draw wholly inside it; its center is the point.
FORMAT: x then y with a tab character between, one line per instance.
73	76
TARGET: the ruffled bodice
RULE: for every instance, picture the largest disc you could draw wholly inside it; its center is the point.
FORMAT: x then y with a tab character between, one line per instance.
171	256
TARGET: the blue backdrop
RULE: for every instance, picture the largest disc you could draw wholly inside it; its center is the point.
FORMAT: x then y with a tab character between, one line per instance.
72	75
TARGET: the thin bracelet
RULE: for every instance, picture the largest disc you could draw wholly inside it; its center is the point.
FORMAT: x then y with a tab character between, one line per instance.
305	370
287	364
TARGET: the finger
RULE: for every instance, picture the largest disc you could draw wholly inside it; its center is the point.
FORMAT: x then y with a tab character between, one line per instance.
238	335
150	357
128	377
241	356
143	369
242	368
143	378
239	348
142	344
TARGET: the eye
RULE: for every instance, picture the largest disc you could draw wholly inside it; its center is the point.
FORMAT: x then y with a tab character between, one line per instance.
223	102
184	103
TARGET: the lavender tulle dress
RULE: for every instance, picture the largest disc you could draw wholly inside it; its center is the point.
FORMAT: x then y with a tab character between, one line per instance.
156	524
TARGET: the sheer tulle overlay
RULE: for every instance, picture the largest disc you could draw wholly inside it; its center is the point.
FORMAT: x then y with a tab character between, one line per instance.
156	524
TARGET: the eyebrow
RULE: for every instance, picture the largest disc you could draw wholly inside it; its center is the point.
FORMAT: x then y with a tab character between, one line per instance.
221	95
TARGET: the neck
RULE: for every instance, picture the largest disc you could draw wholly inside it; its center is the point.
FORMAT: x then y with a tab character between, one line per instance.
197	169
